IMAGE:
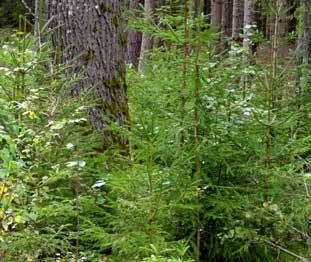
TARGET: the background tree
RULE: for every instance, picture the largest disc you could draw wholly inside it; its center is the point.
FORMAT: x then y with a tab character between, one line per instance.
92	34
10	12
237	19
226	23
147	40
303	49
134	38
216	13
247	21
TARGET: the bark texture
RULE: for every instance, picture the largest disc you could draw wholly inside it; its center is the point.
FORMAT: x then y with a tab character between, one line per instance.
226	23
91	33
216	13
134	38
237	19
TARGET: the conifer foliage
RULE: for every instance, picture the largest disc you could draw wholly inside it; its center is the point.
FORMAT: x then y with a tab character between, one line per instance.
197	149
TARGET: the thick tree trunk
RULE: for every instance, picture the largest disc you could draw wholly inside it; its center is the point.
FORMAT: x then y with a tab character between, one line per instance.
226	23
147	41
91	33
237	19
134	38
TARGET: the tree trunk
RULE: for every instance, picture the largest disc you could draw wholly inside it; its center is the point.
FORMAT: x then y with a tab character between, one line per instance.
158	42
237	19
226	23
147	41
306	31
40	18
134	38
91	33
246	41
303	47
248	19
216	13
206	8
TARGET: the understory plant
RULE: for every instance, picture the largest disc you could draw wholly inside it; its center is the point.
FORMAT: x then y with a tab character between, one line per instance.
219	163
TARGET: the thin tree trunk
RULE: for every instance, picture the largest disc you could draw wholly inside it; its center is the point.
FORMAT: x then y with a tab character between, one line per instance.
158	42
248	19
40	18
206	8
91	33
216	13
196	123
307	31
147	41
134	38
226	23
182	104
237	19
303	51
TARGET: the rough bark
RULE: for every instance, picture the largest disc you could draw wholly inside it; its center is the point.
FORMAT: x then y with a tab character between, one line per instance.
134	38
216	13
91	33
237	19
226	23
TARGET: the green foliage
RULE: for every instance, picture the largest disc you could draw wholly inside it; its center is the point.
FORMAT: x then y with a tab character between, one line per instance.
242	202
62	200
10	12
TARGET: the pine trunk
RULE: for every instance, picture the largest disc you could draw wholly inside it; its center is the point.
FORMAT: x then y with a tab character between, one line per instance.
303	51
307	31
134	38
248	19
226	23
40	18
90	39
237	19
216	13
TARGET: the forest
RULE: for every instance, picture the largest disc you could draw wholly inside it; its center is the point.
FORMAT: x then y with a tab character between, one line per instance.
155	130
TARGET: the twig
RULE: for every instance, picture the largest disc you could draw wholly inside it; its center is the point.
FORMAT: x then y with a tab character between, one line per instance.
286	251
30	12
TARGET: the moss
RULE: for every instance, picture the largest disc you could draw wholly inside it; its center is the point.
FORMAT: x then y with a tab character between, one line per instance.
114	83
121	40
115	21
95	29
87	57
104	8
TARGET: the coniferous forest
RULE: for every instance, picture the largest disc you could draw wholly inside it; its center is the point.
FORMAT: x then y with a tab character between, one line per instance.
155	130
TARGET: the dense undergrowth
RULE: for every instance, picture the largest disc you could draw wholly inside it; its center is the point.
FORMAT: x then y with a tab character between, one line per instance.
229	173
